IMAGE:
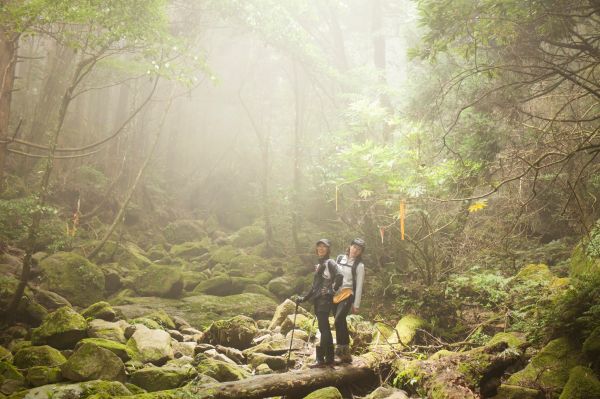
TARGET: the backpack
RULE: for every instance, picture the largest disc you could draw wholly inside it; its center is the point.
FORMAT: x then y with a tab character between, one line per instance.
353	267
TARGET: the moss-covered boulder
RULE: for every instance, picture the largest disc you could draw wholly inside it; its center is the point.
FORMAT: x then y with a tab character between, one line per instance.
221	371
582	263
91	362
549	369
274	362
582	384
100	310
248	236
10	374
513	340
259	289
113	331
288	323
387	392
325	393
81	390
218	285
539	273
189	250
507	391
591	346
74	277
43	375
121	350
151	346
160	378
406	329
283	310
38	356
275	347
162	318
183	230
237	332
284	286
50	300
61	329
161	281
5	354
223	255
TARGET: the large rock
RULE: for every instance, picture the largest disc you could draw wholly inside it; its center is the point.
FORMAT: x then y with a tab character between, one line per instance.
107	389
151	346
181	231
223	255
406	329
387	392
160	378
221	371
91	362
73	277
121	350
114	331
5	354
189	250
100	310
275	347
237	332
325	393
162	281
248	236
61	329
43	375
507	391
582	384
11	379
582	263
38	356
50	300
283	310
274	362
284	286
549	369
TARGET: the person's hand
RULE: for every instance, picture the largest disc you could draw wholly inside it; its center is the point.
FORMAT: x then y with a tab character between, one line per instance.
297	299
354	310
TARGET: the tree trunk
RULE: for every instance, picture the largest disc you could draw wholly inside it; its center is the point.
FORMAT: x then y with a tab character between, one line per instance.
294	384
8	57
379	60
297	144
42	196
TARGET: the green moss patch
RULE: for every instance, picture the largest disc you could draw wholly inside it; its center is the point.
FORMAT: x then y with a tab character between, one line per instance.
60	329
582	384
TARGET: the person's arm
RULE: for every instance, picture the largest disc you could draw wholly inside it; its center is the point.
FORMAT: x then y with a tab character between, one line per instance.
337	275
360	278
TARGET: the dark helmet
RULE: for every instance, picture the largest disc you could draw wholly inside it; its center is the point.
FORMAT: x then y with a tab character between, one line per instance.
359	242
325	242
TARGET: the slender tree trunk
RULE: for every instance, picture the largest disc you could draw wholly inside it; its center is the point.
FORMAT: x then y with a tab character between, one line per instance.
297	144
380	60
82	69
8	57
132	189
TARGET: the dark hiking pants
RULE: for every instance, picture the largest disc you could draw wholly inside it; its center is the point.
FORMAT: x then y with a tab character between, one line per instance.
340	311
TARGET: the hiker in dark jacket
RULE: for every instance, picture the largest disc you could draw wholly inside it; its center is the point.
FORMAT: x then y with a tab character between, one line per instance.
326	281
347	298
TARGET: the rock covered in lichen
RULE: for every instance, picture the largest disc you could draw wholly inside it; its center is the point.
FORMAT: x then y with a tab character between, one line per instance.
91	362
160	378
74	277
325	393
38	356
151	346
61	329
237	332
582	384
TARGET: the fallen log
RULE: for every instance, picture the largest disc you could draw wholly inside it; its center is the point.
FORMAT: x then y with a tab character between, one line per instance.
297	383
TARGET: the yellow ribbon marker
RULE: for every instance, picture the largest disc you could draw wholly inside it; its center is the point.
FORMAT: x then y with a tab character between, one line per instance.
402	215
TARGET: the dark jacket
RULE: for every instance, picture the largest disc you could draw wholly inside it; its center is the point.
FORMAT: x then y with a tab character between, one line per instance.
324	288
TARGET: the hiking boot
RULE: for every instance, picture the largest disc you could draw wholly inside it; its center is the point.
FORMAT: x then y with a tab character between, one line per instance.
343	353
329	356
319	358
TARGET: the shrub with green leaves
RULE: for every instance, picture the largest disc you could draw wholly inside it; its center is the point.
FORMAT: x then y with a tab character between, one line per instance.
16	215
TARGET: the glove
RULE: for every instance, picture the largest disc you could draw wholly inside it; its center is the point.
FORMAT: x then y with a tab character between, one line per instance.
297	299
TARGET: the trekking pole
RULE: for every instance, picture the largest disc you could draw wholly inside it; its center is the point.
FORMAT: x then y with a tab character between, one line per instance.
287	364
